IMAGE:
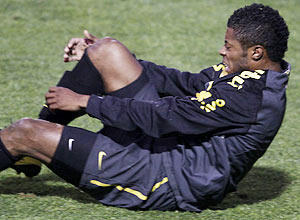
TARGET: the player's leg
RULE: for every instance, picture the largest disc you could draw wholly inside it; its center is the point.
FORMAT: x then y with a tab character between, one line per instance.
83	79
115	175
28	137
64	149
123	77
115	63
107	67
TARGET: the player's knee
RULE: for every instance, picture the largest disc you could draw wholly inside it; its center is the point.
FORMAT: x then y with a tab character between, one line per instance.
24	125
105	48
24	134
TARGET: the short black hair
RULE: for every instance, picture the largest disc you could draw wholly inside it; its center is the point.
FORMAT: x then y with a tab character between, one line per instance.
258	24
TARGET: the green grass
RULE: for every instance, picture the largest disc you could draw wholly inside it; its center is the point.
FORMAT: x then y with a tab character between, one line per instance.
185	34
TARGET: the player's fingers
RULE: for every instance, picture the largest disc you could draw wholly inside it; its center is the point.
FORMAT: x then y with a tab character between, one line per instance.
89	36
67	50
53	106
70	59
74	58
73	42
66	53
66	57
49	97
50	101
53	89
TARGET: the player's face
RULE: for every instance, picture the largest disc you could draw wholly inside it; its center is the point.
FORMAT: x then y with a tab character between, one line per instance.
234	57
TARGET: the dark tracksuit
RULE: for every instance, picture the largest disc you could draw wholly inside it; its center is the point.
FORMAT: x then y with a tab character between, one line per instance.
208	130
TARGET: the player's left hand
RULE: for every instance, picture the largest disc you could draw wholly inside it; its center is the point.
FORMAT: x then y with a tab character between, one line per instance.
74	50
65	99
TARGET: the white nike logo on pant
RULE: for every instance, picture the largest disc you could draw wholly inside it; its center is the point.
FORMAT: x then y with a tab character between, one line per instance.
70	144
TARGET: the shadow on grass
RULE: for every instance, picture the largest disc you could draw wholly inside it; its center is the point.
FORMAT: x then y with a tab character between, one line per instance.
47	184
261	183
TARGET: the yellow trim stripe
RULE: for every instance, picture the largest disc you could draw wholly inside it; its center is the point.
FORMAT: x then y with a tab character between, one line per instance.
45	105
157	185
131	191
120	188
210	83
134	192
95	182
28	161
100	158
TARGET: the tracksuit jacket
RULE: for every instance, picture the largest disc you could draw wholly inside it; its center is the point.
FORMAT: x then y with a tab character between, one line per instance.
216	127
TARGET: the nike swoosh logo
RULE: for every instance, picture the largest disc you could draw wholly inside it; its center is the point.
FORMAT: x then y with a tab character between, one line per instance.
100	158
70	144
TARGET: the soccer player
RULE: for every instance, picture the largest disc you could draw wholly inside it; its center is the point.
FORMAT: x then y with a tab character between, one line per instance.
171	140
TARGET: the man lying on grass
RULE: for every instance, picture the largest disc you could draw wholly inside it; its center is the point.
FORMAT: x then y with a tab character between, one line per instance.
171	140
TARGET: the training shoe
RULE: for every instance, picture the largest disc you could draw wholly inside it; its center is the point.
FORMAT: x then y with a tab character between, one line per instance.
28	165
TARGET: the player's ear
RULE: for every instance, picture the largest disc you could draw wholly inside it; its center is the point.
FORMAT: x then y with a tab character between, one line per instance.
257	52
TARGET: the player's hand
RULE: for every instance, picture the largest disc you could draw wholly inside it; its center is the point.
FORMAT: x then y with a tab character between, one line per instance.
76	46
65	99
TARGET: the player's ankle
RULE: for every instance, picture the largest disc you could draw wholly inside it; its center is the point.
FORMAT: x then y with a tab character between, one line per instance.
29	166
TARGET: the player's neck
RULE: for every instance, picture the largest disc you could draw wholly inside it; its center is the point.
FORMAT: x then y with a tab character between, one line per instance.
266	64
275	66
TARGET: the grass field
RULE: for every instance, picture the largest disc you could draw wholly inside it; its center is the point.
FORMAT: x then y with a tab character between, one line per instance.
184	34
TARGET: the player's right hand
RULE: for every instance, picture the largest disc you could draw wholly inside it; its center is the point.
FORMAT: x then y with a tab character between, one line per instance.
76	46
65	99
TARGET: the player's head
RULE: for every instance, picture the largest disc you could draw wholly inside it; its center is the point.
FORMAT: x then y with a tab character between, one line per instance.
260	25
256	38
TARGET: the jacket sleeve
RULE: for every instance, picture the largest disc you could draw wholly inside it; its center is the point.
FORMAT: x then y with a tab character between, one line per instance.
170	81
221	107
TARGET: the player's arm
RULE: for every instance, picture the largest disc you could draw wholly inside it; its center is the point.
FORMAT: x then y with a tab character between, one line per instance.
208	111
169	81
65	99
